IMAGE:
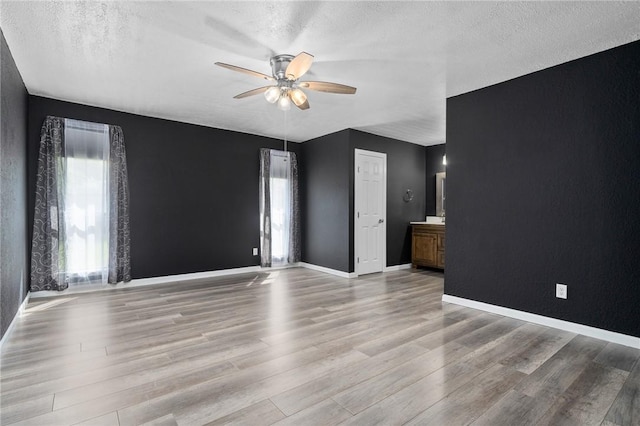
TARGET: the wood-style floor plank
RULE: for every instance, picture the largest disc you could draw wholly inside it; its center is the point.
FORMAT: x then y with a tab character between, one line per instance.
26	407
465	404
261	413
326	412
310	393
625	409
301	347
362	395
588	399
405	404
110	419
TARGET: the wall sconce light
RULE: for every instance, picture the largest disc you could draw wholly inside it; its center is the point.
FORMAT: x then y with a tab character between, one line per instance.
444	159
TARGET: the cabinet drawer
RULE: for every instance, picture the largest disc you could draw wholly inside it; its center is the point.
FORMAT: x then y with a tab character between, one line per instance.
440	241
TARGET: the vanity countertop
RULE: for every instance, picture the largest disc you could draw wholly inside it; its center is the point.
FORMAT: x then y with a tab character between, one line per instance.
431	220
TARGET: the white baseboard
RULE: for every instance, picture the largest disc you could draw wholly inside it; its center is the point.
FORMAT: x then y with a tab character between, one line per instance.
396	267
18	314
328	270
192	276
598	333
140	282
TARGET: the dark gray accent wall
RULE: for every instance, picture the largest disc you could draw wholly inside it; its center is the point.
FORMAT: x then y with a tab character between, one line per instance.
405	170
543	181
328	208
324	172
13	188
434	165
194	189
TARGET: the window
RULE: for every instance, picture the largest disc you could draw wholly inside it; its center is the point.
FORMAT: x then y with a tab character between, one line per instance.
279	216
81	213
86	201
280	209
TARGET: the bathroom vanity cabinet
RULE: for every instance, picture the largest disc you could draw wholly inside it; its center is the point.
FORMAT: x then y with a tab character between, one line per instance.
427	245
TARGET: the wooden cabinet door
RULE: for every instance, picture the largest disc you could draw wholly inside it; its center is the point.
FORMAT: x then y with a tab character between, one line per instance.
425	249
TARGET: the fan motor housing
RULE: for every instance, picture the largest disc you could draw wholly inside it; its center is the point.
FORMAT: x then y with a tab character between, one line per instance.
279	64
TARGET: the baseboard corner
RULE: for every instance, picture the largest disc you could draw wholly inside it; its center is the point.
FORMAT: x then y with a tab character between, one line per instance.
19	313
397	267
326	270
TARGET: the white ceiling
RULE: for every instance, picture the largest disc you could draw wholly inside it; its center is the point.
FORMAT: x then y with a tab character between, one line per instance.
405	58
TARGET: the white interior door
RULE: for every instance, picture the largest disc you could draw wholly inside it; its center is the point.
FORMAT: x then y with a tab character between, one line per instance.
370	211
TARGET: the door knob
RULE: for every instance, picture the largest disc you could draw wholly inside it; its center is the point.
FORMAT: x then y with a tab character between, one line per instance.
380	220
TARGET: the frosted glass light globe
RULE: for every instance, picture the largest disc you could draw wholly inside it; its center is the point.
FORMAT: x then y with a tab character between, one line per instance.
272	94
284	103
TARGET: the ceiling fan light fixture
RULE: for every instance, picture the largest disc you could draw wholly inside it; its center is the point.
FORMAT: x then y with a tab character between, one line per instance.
272	94
284	103
298	97
286	70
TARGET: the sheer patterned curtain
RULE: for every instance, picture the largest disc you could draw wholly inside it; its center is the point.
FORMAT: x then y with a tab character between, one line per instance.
119	235
81	224
279	209
47	247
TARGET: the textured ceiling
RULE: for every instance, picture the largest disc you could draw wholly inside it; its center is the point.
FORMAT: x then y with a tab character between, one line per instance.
405	58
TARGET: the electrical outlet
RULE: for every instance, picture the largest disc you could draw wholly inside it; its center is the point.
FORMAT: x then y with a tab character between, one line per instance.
255	251
561	291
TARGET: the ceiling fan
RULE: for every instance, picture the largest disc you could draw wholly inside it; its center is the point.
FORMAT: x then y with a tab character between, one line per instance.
286	71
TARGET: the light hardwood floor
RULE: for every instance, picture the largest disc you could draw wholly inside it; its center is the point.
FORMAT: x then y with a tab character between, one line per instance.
298	347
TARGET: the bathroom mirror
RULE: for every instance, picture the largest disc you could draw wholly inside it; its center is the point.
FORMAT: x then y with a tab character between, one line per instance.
441	194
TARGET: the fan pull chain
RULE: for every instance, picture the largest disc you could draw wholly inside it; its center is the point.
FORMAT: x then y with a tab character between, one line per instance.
285	131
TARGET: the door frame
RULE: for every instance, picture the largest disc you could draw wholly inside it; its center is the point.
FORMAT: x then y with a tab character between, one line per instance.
356	198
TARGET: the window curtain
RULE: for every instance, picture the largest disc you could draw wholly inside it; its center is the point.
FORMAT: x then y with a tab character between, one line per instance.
119	237
47	248
63	155
279	208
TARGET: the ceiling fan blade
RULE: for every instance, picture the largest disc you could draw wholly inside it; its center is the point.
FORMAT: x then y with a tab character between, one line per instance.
252	92
325	86
299	66
244	70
